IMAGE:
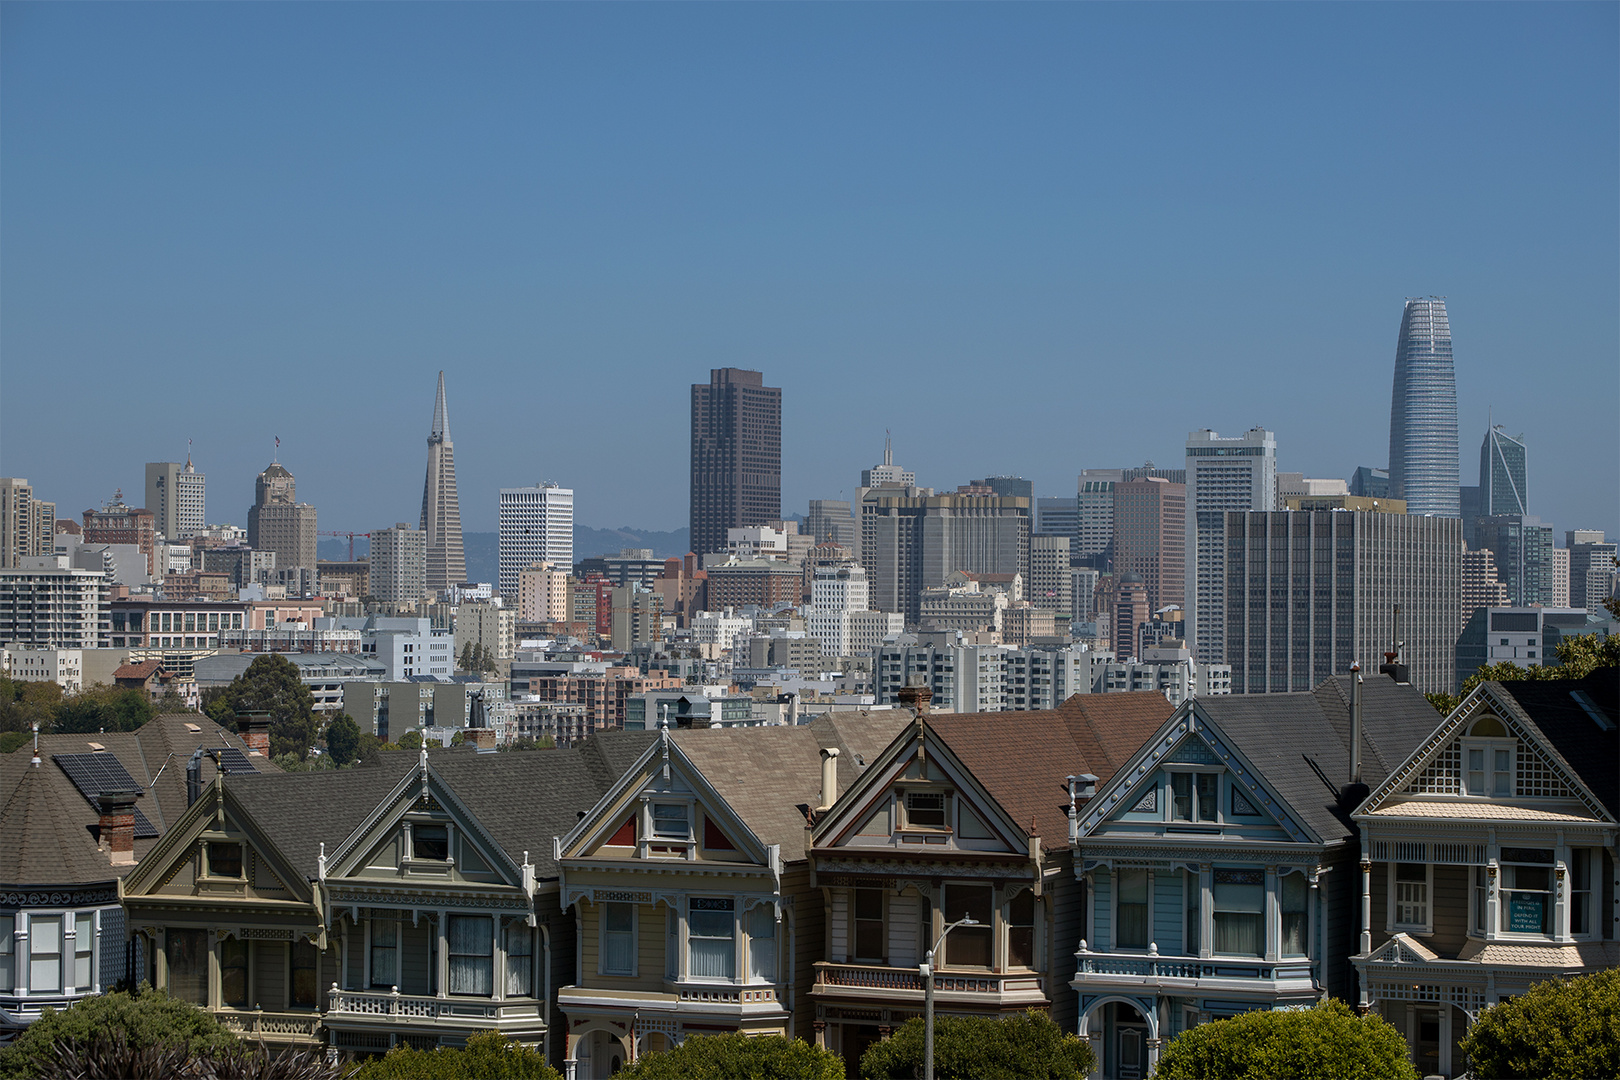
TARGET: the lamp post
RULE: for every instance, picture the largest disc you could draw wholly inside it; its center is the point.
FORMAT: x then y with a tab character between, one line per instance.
927	972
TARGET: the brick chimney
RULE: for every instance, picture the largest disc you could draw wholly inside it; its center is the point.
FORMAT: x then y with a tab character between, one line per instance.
917	698
118	825
483	738
254	727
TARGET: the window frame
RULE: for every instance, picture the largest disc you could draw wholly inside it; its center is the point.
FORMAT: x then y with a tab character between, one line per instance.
245	967
910	824
603	931
987	927
8	953
37	957
764	913
855	919
732	938
1032	926
1490	746
1194	802
1304	913
306	947
1116	893
208	860
1216	911
1592	931
1507	867
1392	902
519	930
372	948
451	954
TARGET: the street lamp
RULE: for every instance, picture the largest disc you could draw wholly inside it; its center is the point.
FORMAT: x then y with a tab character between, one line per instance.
927	972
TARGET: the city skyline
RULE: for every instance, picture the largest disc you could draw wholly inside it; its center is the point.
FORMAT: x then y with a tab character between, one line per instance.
920	250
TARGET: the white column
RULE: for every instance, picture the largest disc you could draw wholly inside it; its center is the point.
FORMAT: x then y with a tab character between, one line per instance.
1366	902
443	965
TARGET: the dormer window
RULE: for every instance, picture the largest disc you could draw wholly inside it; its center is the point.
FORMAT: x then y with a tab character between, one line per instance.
1194	796
925	809
670	821
430	843
224	859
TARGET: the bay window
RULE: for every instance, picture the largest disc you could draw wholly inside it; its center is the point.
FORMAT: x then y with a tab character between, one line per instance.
1240	906
1021	930
1481	891
8	953
471	943
618	939
84	948
384	953
186	954
871	937
1527	891
1295	923
1132	909
969	946
762	943
45	954
519	961
711	933
233	973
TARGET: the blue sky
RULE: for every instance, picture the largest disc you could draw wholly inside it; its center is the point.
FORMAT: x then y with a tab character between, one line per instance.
1029	239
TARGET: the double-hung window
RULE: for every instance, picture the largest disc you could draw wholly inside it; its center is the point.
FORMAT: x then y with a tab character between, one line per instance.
618	939
1488	760
1295	923
306	975
8	953
762	943
1021	930
711	934
925	809
1132	908
871	938
519	960
472	955
224	859
1195	796
185	953
233	972
969	946
1411	896
45	954
1580	891
430	843
1240	912
671	821
384	953
1527	890
84	950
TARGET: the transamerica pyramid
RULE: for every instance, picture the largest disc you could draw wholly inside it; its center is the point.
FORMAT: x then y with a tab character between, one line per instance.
441	509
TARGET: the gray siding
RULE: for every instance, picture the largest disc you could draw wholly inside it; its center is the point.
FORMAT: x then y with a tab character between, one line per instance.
415	956
1102	907
1343	893
1169	917
1449	914
270	975
1066	899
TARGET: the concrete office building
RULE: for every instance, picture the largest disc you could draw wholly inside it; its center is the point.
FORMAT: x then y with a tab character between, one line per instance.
1319	591
278	522
27	524
831	522
398	567
1480	585
1526	636
911	541
736	476
45	602
1131	610
1522	546
116	523
1592	568
536	525
1370	483
1083	593
542	593
1223	475
175	494
491	625
1555	583
1504	483
1150	537
1050	586
1058	517
1094	512
1423	464
887	474
836	592
1007	486
441	505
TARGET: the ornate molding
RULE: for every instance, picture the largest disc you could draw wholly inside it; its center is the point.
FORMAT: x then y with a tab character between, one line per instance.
68	897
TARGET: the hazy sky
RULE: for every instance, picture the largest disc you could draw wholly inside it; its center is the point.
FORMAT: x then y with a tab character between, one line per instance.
1027	238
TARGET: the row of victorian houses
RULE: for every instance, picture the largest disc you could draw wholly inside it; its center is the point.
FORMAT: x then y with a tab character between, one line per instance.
1133	868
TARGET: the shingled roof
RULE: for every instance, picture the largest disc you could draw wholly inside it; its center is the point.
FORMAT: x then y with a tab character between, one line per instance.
1024	759
1563	711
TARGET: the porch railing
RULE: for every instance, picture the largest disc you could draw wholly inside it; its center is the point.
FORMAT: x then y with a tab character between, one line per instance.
422	1008
299	1027
906	980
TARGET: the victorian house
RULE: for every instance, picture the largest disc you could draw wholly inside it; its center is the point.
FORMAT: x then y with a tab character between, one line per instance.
963	815
1219	861
1490	859
411	900
78	811
691	887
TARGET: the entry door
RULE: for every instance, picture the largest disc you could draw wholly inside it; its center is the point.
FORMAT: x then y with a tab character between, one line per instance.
604	1057
1132	1051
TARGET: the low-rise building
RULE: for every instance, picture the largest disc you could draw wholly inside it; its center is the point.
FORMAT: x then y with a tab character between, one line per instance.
27	663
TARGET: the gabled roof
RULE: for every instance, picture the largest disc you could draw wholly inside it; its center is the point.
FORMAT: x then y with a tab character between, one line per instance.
155	757
141	671
1556	709
1024	759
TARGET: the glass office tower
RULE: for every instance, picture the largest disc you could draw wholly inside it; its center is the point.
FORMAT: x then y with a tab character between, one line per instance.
1423	467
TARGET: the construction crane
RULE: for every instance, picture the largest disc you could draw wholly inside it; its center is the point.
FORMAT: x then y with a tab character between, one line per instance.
350	535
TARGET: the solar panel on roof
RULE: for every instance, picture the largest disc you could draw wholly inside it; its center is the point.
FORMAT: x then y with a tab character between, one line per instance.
233	762
94	774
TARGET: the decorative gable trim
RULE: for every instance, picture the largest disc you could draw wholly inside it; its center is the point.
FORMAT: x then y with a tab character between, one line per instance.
177	846
1173	742
1429	768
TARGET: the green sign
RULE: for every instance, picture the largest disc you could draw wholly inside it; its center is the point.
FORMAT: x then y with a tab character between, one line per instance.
1525	913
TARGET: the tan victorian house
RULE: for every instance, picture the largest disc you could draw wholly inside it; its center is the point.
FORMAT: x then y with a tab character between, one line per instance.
1489	859
963	815
691	885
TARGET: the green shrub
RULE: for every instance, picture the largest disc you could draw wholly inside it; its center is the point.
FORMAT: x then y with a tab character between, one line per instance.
1327	1042
735	1056
488	1056
148	1020
1560	1028
1028	1046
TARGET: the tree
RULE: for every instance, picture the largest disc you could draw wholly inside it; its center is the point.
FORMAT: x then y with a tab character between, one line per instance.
488	1056
525	742
465	660
343	739
146	1020
411	740
103	708
24	703
14	740
171	702
1027	1045
1559	1028
722	1057
272	684
1326	1042
1578	657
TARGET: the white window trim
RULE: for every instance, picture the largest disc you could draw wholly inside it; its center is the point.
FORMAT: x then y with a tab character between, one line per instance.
635	941
1593	890
647	840
738	935
1113	911
1488	745
1169	794
1391	924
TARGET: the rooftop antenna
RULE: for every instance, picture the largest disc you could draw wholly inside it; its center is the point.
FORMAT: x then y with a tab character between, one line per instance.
888	448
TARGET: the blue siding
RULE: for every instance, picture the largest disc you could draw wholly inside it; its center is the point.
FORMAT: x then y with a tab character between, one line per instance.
1168	919
1102	901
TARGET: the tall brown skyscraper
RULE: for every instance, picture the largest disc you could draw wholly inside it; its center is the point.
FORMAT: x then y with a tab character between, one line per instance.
441	508
278	522
1150	517
736	455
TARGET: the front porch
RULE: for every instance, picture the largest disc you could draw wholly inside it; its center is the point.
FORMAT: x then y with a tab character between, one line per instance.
609	1028
880	984
1277	982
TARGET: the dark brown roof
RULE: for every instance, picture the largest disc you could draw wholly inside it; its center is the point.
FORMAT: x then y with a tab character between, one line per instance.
1024	759
141	671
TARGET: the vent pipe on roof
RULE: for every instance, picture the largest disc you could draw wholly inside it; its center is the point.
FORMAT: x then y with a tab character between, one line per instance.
194	777
1355	723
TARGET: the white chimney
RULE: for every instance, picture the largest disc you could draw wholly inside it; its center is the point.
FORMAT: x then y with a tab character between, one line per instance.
829	777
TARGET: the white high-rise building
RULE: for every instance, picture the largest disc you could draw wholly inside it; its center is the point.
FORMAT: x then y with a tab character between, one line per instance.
175	495
45	602
1049	583
537	525
1094	510
836	592
1236	473
887	473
